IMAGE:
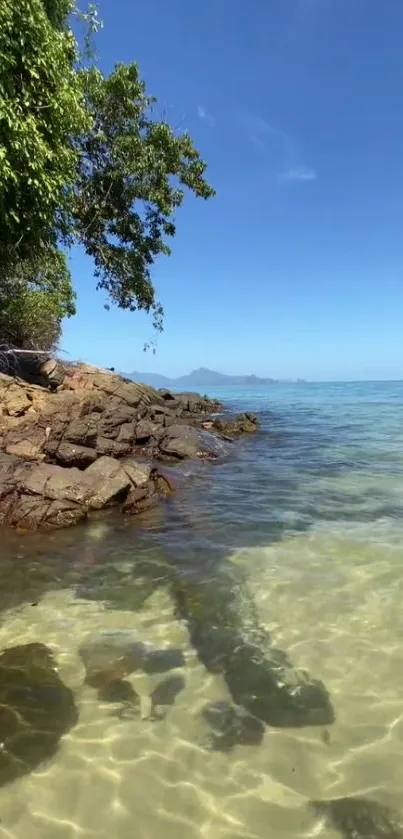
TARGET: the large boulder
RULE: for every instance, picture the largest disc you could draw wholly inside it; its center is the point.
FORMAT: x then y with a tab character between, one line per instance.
84	377
36	709
107	480
54	483
28	512
179	441
48	495
183	441
70	454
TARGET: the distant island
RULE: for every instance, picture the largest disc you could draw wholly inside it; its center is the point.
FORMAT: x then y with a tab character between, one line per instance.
198	378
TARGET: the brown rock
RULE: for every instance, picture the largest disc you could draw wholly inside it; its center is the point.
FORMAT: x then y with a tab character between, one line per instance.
109	480
82	431
29	512
139	473
56	483
16	401
113	418
7	466
26	442
25	450
140	499
85	378
52	372
167	395
94	418
112	448
180	441
63	404
127	433
162	410
194	403
95	487
241	424
163	484
68	454
146	429
93	404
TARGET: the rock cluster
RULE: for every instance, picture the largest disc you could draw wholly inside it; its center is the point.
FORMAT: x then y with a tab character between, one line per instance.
38	710
93	438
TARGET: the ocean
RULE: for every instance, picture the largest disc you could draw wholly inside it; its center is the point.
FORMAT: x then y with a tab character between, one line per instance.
304	523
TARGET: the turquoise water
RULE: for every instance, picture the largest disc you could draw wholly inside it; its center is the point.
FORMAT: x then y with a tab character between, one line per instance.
309	515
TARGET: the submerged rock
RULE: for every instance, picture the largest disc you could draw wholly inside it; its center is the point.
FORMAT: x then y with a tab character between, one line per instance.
119	691
240	424
110	656
225	631
231	727
361	818
274	691
165	693
36	709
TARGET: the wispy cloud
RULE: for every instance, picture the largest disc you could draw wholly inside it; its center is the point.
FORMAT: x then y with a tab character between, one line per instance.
205	115
279	149
299	175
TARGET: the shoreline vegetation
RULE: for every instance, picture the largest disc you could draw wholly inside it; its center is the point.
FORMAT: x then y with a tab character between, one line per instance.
76	439
92	167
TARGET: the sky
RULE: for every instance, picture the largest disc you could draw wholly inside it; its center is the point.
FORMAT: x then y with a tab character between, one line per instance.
295	268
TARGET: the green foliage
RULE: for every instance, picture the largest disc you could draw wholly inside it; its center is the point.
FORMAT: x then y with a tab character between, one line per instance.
130	181
82	159
33	301
41	111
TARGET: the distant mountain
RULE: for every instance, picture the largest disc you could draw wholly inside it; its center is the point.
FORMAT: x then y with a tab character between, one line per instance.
198	378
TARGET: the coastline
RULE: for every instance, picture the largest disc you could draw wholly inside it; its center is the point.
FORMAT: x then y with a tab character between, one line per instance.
296	537
76	439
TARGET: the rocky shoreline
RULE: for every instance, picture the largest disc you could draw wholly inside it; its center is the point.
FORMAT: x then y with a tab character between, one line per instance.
75	439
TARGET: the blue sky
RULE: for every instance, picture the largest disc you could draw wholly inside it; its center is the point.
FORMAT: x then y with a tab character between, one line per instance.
295	268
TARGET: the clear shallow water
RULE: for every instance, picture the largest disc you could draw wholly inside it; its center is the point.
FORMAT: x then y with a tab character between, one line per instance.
310	515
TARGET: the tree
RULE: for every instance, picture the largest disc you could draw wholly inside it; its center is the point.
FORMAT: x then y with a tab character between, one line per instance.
131	173
42	111
33	301
83	159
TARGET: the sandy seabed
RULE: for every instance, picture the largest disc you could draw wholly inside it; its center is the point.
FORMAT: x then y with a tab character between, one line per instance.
334	603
